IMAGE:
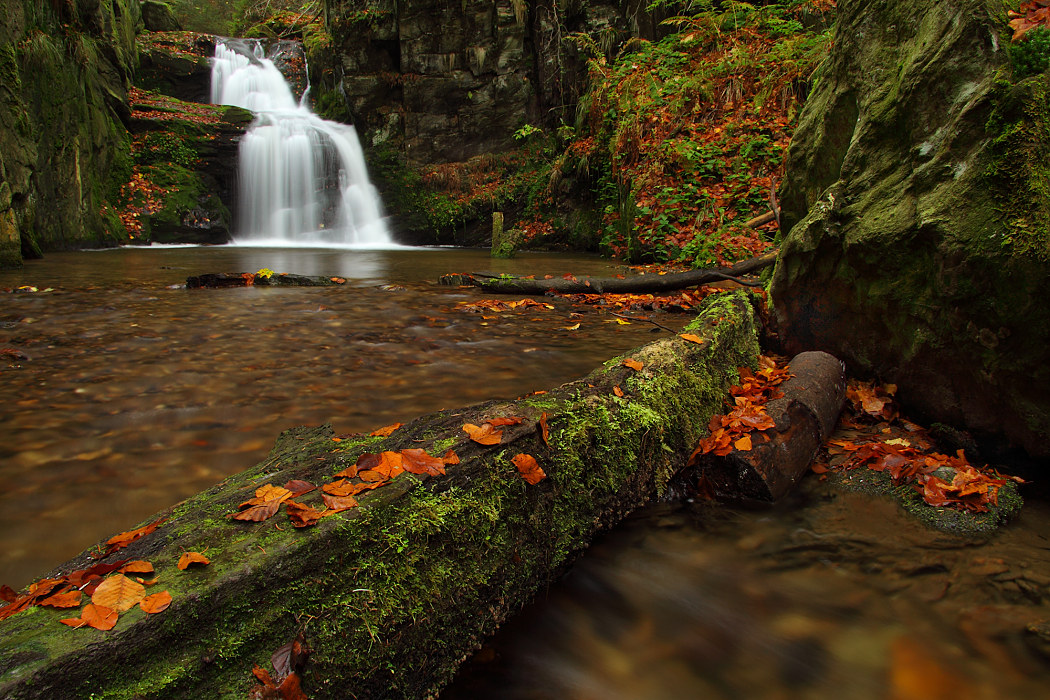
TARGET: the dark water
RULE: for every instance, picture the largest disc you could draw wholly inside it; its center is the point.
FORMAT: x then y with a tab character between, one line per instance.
135	396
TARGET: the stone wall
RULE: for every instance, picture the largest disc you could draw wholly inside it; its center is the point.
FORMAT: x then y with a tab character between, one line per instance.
65	69
442	82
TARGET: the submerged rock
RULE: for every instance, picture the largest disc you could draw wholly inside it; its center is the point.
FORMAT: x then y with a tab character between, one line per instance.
918	215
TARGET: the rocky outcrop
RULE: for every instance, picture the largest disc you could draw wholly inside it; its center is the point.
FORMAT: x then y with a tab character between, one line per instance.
916	201
64	72
159	17
446	95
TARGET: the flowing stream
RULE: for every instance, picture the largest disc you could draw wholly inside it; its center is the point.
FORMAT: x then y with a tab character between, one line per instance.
303	180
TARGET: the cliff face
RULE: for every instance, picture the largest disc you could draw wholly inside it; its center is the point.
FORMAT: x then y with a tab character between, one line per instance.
442	82
64	72
916	200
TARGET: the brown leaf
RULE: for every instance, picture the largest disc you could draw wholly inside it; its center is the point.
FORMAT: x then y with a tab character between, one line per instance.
338	503
192	558
264	677
137	567
303	515
484	434
69	599
298	487
450	458
633	364
529	468
291	657
8	594
692	338
417	461
545	431
386	430
372	476
290	688
267	500
618	391
510	420
743	444
158	602
118	592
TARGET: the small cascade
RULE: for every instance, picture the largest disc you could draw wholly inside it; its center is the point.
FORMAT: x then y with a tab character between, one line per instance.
303	179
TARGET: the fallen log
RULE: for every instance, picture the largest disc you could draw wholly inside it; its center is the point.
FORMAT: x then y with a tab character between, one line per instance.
638	284
224	280
393	594
805	415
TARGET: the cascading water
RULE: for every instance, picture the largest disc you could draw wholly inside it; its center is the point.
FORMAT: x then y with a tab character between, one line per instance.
303	179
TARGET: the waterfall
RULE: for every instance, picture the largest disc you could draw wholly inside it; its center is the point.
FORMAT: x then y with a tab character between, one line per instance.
303	179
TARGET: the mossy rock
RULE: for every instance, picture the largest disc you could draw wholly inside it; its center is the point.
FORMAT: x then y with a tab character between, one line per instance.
917	196
392	595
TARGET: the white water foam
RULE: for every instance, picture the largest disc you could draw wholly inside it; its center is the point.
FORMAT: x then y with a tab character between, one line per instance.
303	179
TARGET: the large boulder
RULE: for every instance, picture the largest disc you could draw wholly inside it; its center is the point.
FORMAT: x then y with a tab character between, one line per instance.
917	210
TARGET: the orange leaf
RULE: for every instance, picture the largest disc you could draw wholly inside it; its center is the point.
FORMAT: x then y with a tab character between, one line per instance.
338	503
137	567
190	558
98	616
450	458
158	602
545	431
267	500
618	391
290	688
372	476
529	468
483	435
743	444
118	593
386	430
417	461
298	487
125	538
69	599
692	338
633	364
511	420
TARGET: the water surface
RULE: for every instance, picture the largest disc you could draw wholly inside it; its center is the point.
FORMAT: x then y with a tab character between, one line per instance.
135	395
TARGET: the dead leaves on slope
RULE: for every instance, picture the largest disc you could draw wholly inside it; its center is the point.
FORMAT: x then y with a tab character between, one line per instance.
1029	16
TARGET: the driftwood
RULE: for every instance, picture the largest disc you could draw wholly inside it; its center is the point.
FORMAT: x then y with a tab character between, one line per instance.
223	280
804	416
639	284
392	595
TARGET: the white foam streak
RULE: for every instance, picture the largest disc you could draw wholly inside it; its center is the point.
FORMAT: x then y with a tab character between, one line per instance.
303	180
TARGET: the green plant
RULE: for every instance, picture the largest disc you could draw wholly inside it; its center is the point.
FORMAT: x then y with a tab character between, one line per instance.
1031	55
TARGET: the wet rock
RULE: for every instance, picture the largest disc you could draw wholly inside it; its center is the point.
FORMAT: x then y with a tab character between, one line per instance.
918	236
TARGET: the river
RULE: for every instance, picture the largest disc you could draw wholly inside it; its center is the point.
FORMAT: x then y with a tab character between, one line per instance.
122	395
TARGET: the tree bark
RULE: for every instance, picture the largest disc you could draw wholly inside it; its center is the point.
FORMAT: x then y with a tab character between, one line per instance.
394	594
638	284
805	415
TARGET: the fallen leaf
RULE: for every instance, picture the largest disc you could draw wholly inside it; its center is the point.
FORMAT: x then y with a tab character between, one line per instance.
298	487
743	444
99	616
137	567
125	538
509	420
386	430
118	592
290	688
529	468
191	558
291	657
633	364
267	500
692	338
483	434
303	515
545	432
574	327
158	602
450	458
618	391
69	599
417	461
338	503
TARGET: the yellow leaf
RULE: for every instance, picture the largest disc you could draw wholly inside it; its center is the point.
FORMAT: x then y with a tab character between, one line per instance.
118	593
743	444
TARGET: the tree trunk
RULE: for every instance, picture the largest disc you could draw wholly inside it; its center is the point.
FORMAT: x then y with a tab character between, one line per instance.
805	415
638	284
394	594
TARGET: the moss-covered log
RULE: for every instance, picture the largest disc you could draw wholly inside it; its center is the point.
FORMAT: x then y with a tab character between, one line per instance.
392	595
